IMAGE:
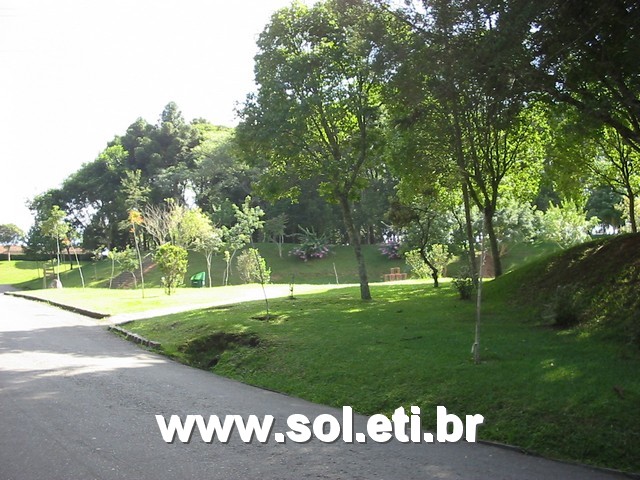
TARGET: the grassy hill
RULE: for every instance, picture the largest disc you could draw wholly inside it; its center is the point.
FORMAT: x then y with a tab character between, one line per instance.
593	287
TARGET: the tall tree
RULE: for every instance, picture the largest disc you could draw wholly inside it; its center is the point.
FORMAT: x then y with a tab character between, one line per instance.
317	110
586	53
10	234
219	173
462	71
56	227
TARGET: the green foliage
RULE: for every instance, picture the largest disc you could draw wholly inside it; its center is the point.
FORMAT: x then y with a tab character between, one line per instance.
604	204
172	261
252	268
578	49
418	266
318	111
55	225
566	307
463	283
516	222
566	224
312	245
248	221
440	256
10	234
123	261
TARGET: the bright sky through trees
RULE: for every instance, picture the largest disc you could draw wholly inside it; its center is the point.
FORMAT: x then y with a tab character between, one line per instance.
75	73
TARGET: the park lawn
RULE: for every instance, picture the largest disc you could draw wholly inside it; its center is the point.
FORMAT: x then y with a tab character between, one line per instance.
339	267
113	301
16	272
556	393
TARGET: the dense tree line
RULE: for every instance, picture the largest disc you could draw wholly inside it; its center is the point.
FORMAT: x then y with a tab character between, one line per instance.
451	119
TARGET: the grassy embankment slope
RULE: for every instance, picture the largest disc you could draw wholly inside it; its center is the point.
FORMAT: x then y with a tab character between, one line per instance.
569	393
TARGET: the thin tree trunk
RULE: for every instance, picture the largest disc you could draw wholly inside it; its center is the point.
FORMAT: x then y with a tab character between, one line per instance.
262	282
58	260
469	230
632	210
493	241
354	239
135	239
113	268
432	267
79	267
476	343
208	258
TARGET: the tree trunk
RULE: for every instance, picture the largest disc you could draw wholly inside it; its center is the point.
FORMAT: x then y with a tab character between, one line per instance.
432	267
469	229
58	259
493	241
354	239
208	258
632	210
69	258
79	266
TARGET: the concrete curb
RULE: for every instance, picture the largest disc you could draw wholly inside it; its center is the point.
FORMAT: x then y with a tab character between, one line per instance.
595	468
81	311
133	337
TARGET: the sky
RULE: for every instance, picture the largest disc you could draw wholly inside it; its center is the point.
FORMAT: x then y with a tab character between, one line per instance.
76	73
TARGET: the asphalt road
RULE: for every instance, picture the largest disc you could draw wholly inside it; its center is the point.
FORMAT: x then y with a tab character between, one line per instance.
77	402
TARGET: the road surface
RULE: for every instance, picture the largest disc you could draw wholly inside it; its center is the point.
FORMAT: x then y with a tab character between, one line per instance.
77	402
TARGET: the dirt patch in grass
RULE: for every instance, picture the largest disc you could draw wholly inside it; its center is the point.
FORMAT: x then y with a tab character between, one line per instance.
265	318
205	351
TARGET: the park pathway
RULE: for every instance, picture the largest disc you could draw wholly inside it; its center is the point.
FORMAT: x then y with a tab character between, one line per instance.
77	402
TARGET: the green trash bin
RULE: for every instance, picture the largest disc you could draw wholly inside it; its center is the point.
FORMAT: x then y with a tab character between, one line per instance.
198	279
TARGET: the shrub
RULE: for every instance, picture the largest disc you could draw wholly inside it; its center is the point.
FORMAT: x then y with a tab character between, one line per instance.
252	268
391	250
311	246
566	306
463	283
172	262
438	254
417	264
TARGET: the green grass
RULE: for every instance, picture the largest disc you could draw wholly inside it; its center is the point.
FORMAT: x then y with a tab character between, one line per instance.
16	272
548	391
114	302
283	269
27	275
567	394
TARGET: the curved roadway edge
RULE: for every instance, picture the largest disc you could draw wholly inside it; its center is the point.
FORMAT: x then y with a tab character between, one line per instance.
71	308
8	290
